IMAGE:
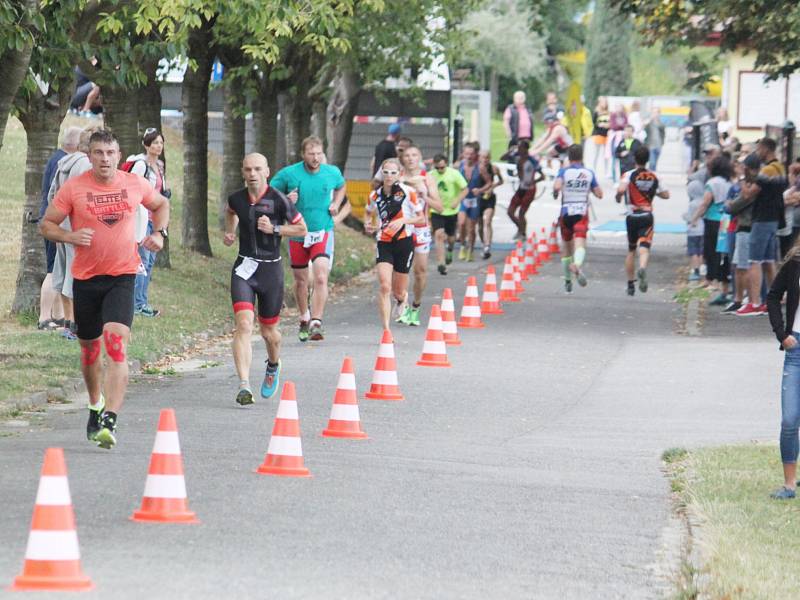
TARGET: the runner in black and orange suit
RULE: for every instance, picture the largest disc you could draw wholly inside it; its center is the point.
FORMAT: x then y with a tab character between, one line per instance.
398	211
639	187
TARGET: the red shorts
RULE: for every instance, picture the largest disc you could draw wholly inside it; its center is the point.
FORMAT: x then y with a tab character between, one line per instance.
574	226
522	199
300	255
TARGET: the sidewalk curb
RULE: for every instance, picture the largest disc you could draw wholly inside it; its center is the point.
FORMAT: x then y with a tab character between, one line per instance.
693	318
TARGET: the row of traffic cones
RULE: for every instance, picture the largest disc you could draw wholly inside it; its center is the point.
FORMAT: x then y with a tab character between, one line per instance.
52	556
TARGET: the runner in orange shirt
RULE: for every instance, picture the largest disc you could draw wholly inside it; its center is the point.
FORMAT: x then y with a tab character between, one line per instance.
101	205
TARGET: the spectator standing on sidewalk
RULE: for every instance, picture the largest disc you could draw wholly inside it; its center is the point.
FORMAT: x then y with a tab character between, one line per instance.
787	282
600	118
655	133
626	150
694	230
518	119
767	189
386	148
741	207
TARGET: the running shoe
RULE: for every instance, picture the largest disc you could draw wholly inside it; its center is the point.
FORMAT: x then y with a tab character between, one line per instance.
413	317
448	255
146	311
302	334
403	318
244	397
694	276
631	288
641	274
783	493
469	256
568	286
271	380
442	269
93	424
486	254
762	309
732	308
399	309
315	331
462	253
581	278
68	334
720	300
749	310
105	436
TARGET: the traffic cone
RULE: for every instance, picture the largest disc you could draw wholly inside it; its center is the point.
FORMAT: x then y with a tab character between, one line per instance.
449	327
490	302
285	452
529	266
345	421
384	377
554	247
164	498
52	558
543	249
434	350
520	252
471	310
517	277
535	245
508	291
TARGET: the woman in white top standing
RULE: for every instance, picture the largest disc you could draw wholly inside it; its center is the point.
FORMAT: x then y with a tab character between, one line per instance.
151	167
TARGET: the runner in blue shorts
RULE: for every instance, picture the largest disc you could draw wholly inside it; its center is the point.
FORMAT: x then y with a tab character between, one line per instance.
469	212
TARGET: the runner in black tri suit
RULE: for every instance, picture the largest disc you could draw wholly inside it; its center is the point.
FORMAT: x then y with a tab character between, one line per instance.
263	215
639	187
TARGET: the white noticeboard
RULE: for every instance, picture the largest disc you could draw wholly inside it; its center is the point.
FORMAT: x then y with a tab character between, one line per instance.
761	102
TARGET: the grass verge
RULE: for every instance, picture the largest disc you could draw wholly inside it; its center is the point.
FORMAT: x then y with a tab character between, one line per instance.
193	296
748	543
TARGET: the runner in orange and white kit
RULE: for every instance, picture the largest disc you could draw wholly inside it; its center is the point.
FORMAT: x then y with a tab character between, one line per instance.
575	182
639	187
397	210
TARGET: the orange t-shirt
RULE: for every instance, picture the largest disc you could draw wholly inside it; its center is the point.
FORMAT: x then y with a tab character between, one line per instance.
110	210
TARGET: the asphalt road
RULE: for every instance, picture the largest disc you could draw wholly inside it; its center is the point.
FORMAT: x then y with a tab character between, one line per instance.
530	469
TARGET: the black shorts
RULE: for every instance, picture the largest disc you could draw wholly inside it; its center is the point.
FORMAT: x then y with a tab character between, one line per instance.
80	95
640	230
446	222
100	300
487	203
400	254
265	285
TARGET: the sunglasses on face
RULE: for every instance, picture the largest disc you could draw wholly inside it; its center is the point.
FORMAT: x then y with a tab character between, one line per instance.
390	172
150	130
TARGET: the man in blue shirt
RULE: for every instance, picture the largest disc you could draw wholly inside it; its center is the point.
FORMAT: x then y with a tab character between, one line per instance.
318	190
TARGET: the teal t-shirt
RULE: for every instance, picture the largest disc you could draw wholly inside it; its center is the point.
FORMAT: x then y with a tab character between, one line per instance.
450	184
315	192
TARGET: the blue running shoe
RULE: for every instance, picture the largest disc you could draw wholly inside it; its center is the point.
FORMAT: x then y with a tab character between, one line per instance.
783	493
271	380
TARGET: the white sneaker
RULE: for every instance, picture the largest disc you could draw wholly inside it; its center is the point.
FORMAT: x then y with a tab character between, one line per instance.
399	309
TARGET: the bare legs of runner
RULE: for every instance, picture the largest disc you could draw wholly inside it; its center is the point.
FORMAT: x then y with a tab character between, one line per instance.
390	284
243	349
320	269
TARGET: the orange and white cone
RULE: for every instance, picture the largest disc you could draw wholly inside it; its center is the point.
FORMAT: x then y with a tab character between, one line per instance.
535	245
434	350
517	277
553	242
164	498
449	327
520	252
490	302
508	290
53	558
471	310
544	251
529	266
285	452
384	377
345	421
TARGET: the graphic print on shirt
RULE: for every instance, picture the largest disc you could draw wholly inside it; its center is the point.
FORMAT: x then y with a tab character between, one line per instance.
578	182
109	208
400	202
642	189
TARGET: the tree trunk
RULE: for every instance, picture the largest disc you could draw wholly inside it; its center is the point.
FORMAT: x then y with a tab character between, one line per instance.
41	119
194	101
494	87
318	112
13	68
121	115
280	138
265	122
341	110
233	132
294	125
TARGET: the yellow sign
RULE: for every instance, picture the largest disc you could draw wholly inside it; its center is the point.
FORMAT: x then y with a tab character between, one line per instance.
574	112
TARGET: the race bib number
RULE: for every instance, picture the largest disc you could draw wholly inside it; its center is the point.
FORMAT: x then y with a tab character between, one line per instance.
246	269
313	237
470	202
423	235
575	209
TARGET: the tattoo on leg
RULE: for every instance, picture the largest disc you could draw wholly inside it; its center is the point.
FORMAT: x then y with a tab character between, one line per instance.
115	347
90	353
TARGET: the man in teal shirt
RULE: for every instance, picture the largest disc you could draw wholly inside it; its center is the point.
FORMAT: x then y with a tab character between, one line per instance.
318	191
